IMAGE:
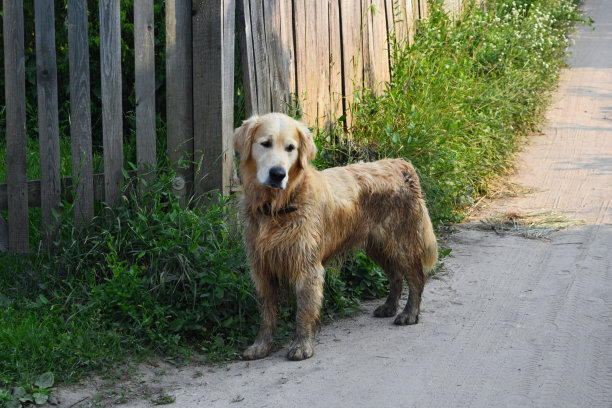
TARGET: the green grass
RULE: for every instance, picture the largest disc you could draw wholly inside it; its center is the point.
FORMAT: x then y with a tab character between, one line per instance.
152	277
148	276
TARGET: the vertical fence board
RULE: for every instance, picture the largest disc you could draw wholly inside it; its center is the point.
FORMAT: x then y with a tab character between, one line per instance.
226	168
335	60
48	129
321	69
379	47
286	29
423	5
179	93
366	28
80	112
412	16
301	67
213	93
351	51
144	50
260	57
112	111
247	63
391	7
311	112
278	60
16	166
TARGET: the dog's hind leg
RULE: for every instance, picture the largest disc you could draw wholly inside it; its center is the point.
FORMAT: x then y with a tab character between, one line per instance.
389	308
267	289
309	294
396	281
416	278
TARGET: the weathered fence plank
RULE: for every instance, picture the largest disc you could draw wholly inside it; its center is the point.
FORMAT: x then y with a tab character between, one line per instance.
80	112
179	82
48	128
144	50
213	94
405	15
422	8
288	50
301	64
351	50
378	45
321	71
335	60
260	58
277	60
366	27
16	166
247	63
112	111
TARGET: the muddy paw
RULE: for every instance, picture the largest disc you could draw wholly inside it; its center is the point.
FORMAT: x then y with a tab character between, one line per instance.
404	319
385	310
300	350
257	350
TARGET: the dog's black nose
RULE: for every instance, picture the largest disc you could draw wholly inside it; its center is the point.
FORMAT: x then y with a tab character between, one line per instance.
277	174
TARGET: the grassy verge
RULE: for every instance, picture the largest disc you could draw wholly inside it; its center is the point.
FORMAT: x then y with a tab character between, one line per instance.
151	277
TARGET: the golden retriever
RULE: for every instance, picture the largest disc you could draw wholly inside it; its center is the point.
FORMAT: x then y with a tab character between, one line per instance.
297	218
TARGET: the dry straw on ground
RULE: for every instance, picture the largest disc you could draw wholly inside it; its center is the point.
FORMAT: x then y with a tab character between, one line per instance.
533	224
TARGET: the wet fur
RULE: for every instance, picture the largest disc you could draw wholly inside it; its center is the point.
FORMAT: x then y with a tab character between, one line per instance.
376	206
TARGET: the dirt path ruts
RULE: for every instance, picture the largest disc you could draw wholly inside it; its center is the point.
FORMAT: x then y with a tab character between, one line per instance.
512	322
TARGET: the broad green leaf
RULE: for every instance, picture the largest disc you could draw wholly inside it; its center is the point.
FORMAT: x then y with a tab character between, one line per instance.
45	380
18	392
40	398
13	404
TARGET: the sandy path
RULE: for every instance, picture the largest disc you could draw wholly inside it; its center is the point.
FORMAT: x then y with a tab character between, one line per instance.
511	322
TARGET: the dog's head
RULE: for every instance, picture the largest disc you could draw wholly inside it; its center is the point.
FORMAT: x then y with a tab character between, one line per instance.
276	144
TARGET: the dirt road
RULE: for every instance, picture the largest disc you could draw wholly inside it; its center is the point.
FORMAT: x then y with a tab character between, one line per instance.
510	322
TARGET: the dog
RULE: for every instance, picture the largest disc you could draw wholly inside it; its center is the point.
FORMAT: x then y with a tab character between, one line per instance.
296	219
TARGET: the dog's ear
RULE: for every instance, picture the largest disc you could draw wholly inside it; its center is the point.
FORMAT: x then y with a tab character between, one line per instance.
243	136
308	149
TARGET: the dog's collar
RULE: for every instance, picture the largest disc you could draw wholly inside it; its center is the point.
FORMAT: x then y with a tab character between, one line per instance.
267	210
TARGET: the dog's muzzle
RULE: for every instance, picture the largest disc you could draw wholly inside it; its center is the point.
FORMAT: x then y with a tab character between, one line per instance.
276	175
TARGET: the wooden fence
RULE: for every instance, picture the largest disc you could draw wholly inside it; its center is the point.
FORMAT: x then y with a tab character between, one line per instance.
320	51
317	50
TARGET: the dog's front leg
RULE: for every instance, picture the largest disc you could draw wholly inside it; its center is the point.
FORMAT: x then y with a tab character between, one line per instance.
267	289
309	294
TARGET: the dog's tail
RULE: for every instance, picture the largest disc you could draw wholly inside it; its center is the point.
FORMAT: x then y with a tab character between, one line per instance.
428	239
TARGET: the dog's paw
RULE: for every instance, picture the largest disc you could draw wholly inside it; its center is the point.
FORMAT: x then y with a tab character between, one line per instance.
385	310
300	350
404	319
257	350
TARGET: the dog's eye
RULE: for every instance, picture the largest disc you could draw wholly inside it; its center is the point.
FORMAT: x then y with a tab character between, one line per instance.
266	144
290	148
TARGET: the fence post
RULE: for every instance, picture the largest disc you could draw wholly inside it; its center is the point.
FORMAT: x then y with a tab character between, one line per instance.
46	81
144	49
245	36
213	94
112	110
179	104
16	168
80	113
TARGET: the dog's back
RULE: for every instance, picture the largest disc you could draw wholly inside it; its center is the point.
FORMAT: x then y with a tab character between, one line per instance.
374	201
